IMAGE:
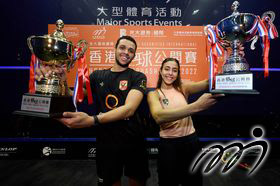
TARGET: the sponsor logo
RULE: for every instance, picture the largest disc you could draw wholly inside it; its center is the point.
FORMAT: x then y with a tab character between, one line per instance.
153	151
111	101
71	32
92	152
232	153
47	151
123	84
99	34
100	180
180	33
7	151
143	84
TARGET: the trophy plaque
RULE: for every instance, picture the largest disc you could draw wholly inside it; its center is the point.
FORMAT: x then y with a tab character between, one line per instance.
50	98
233	32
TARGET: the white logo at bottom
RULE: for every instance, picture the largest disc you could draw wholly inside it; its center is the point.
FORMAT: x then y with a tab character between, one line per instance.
100	180
47	151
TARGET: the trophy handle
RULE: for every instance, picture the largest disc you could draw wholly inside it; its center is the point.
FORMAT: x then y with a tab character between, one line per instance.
29	43
79	51
255	39
81	48
270	14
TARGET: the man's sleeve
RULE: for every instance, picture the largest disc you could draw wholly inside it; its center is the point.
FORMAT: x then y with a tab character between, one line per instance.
140	82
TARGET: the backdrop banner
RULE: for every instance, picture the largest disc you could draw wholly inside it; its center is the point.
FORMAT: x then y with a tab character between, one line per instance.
155	43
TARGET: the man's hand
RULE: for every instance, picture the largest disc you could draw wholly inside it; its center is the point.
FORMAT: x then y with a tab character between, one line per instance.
76	120
46	71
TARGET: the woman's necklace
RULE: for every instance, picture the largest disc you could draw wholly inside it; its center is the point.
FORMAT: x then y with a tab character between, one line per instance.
164	100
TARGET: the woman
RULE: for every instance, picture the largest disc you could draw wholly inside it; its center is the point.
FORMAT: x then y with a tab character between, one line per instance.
179	143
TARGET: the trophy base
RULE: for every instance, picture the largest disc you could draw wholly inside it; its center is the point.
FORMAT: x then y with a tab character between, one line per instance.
45	106
234	92
38	114
237	83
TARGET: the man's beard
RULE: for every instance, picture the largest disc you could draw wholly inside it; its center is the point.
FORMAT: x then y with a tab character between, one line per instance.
123	65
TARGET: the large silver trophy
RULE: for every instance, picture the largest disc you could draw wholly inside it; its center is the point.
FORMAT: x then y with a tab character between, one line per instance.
233	31
50	98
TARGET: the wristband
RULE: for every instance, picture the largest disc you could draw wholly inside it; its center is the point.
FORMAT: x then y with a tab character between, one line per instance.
96	120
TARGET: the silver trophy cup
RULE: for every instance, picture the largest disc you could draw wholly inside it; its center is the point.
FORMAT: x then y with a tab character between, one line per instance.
234	31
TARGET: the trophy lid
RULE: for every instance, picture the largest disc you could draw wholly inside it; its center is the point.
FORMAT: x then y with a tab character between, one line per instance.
241	26
53	46
58	34
234	7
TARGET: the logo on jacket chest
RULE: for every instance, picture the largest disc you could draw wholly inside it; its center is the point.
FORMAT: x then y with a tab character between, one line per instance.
123	85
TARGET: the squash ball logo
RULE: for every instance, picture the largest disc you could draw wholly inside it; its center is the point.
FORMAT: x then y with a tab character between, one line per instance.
47	151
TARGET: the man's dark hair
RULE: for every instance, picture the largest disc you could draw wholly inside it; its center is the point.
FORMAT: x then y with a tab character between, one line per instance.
127	38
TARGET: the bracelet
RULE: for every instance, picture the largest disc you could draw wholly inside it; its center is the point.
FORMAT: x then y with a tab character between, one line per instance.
96	120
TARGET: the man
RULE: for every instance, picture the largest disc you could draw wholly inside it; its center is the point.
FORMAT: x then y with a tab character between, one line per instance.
120	141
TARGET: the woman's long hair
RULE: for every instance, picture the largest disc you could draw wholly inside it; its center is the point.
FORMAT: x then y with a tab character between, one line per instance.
177	84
